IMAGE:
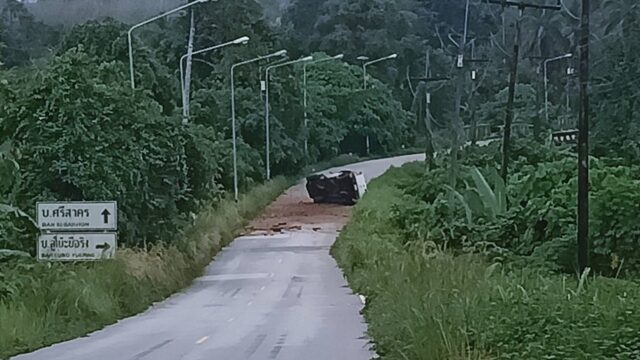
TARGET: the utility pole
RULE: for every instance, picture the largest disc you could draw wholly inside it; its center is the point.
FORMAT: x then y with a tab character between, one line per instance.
474	88
457	124
186	91
506	140
506	136
583	142
429	147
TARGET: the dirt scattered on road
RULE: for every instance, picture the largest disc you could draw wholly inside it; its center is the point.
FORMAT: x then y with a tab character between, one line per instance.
294	210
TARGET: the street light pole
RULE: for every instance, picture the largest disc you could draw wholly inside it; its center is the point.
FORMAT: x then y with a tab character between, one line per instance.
185	107
130	33
364	66
233	114
364	71
546	83
364	59
306	119
266	108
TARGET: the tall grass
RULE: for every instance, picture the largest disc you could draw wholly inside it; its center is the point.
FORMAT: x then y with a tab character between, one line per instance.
42	303
425	303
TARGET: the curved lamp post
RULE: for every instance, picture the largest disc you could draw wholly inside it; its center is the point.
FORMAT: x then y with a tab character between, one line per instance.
233	113
364	71
546	83
130	33
266	108
185	107
364	66
306	119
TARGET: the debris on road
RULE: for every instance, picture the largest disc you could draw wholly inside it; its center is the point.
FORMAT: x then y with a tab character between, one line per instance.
294	210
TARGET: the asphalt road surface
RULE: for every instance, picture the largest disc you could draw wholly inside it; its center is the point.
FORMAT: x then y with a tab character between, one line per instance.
269	295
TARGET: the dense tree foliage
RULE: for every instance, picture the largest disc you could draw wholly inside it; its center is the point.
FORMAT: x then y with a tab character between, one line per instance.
24	37
411	28
71	79
72	129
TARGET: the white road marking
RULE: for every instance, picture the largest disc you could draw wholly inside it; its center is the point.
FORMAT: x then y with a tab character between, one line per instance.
231	320
203	339
272	275
250	303
227	277
280	261
262	288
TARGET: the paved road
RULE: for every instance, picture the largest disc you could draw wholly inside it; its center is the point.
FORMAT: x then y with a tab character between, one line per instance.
264	297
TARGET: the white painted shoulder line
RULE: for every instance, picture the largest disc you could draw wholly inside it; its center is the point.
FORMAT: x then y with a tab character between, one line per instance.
227	277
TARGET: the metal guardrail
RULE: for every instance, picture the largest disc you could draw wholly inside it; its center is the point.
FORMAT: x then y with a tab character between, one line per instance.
565	137
563	131
488	131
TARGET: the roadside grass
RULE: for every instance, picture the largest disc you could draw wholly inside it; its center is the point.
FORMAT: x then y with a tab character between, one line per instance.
46	303
423	302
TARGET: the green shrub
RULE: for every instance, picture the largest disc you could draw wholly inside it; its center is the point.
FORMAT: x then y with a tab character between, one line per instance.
81	134
424	303
540	222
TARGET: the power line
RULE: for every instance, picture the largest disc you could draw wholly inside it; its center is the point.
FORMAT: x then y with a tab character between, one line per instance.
521	6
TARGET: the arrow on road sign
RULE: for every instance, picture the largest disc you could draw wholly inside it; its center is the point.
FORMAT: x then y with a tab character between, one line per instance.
106	214
104	246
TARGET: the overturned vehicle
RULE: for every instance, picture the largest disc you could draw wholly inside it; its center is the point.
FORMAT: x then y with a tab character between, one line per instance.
344	188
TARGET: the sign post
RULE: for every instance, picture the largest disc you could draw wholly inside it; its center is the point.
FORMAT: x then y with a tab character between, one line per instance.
77	231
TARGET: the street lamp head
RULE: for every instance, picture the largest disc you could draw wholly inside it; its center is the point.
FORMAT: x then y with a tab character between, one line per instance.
243	40
392	56
308	58
339	56
569	55
280	53
362	58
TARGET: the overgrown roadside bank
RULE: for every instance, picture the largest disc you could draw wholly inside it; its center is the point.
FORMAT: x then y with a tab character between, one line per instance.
45	303
428	297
